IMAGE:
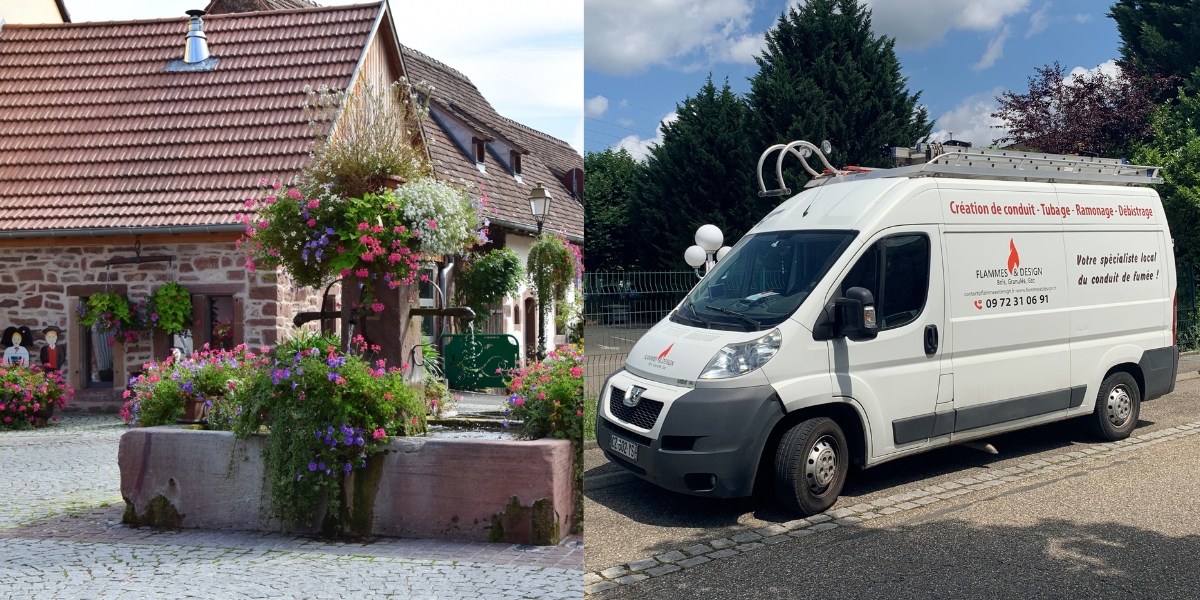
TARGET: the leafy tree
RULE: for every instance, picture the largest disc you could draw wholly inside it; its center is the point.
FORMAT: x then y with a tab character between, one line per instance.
611	178
1094	112
825	76
1158	37
1175	146
702	172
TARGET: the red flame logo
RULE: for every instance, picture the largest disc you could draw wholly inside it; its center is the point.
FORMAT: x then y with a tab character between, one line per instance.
664	352
1014	260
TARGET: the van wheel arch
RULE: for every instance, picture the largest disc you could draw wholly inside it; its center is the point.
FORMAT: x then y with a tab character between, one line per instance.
843	413
1134	370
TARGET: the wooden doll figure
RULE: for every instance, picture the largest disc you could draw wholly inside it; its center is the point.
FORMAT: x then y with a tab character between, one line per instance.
54	353
16	339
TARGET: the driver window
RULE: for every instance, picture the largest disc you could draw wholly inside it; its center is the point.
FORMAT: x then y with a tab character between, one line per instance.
901	290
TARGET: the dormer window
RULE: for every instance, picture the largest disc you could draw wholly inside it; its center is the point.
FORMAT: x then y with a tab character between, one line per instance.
479	149
515	160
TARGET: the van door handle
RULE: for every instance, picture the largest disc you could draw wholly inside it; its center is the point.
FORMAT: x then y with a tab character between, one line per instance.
931	340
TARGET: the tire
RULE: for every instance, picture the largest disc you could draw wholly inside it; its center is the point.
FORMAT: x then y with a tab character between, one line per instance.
810	466
1118	405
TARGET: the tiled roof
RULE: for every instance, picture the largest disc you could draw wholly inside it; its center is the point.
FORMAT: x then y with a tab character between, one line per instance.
94	132
548	161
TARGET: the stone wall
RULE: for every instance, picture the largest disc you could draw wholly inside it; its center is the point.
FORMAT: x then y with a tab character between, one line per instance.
40	285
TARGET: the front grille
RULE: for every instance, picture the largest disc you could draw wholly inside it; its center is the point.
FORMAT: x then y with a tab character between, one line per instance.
644	415
632	436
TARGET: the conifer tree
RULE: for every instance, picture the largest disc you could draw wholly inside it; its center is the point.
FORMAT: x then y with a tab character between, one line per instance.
611	179
825	76
702	172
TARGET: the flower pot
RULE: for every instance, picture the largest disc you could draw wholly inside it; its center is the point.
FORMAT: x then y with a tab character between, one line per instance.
42	416
194	412
392	182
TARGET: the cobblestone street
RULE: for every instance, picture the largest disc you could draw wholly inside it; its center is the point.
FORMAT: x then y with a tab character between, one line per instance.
61	537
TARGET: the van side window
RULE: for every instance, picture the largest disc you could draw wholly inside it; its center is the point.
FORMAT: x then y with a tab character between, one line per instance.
905	280
901	288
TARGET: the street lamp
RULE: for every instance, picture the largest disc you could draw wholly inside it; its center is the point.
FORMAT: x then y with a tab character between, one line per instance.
708	249
539	205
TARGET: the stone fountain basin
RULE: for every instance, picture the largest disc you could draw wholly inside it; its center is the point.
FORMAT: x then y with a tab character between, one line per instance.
453	488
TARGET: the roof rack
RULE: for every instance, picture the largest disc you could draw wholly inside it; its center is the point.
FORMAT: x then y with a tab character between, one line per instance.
973	163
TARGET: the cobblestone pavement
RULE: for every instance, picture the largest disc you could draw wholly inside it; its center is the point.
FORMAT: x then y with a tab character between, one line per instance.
61	537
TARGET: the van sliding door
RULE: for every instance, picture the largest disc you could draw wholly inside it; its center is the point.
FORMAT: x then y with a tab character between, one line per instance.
1008	306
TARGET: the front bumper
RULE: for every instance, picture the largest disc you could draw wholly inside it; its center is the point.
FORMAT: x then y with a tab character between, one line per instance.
708	442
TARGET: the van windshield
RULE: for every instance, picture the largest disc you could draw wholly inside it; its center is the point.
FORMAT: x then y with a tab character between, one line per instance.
763	279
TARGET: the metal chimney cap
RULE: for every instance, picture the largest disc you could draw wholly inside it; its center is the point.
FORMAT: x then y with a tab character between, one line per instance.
196	44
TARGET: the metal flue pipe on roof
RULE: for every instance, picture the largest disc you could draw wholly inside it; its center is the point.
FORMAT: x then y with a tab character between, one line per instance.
196	49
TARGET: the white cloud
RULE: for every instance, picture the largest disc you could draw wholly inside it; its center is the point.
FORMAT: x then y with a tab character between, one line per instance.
595	107
627	36
1082	18
504	47
1108	68
972	120
918	23
623	103
640	148
995	50
623	122
1039	21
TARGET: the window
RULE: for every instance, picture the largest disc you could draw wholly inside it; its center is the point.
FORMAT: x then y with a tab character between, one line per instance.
516	161
516	313
220	322
901	291
764	278
479	149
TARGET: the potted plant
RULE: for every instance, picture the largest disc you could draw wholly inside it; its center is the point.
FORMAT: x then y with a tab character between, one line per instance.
169	308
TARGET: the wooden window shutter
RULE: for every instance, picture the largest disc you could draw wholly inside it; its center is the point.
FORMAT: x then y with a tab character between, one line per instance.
201	328
328	326
239	329
516	162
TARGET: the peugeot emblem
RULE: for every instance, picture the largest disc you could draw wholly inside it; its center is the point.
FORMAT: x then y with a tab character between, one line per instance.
633	395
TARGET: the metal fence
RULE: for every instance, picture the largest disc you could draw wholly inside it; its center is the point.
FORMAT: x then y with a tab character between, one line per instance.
1187	325
618	308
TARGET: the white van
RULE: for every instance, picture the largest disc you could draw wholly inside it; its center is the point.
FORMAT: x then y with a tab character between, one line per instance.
882	314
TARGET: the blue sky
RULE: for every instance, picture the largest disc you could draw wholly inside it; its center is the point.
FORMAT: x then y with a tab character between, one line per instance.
642	57
526	57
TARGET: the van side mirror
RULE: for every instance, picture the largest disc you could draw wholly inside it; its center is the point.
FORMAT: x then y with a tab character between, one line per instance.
855	315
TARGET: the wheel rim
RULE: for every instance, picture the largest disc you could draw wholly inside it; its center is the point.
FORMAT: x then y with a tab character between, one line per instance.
1120	406
820	466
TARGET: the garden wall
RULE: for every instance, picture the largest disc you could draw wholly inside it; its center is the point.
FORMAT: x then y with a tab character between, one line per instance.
485	490
42	280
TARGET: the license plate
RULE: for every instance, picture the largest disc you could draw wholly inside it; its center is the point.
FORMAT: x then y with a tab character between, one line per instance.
623	447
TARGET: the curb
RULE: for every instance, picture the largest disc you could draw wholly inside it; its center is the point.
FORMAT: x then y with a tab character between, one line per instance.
753	539
599	482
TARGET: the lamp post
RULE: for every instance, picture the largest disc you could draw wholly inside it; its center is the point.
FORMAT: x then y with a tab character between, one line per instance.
708	249
539	205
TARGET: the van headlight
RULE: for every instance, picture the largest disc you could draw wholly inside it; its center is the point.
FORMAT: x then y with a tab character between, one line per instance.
739	359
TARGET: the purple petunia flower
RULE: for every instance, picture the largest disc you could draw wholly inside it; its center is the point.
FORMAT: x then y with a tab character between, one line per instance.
312	466
359	441
348	441
321	466
348	467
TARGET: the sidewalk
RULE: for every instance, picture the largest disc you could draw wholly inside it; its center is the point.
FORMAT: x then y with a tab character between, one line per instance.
61	536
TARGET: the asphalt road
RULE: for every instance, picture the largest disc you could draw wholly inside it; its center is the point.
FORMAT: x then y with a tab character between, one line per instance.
1151	498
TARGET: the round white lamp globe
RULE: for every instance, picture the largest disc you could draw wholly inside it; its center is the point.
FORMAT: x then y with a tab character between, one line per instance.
709	238
695	256
722	252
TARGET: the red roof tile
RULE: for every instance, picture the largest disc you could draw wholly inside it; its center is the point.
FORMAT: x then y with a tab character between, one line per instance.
95	133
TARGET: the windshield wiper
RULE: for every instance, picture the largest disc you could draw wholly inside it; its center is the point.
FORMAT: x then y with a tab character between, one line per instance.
692	305
739	315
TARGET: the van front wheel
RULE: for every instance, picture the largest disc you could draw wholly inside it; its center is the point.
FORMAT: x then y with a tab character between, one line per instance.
811	465
1117	407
